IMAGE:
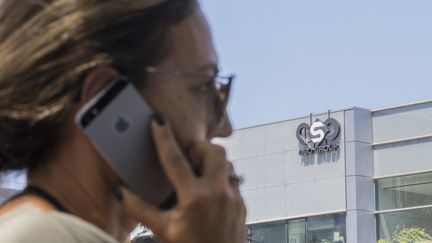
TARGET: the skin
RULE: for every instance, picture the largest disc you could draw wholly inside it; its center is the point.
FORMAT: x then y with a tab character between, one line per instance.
81	179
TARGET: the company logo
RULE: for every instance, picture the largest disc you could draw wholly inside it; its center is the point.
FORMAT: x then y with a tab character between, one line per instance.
318	137
121	125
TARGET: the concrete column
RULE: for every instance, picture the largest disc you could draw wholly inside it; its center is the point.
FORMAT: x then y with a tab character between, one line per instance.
360	187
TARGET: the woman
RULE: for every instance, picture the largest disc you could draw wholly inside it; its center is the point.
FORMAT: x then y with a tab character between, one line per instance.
55	56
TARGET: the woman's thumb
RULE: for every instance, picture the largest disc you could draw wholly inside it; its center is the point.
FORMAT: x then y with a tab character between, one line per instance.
145	213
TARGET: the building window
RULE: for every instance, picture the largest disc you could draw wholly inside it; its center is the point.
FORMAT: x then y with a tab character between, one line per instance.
268	233
321	229
405	226
297	231
407	201
404	191
326	229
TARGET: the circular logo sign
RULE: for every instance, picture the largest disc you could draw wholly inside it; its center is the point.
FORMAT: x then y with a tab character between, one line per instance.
318	137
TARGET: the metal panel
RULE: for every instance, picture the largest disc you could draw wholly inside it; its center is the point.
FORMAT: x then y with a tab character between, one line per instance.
358	122
263	172
403	158
264	204
289	168
360	193
359	159
298	199
315	196
269	139
401	123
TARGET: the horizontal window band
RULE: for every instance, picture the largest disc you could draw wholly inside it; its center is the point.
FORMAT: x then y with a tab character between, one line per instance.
403	174
402	209
402	140
402	106
295	217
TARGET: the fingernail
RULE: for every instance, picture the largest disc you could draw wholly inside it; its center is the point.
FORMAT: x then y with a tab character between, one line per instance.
160	120
118	193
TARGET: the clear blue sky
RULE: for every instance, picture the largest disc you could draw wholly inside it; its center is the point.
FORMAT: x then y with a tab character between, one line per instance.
293	57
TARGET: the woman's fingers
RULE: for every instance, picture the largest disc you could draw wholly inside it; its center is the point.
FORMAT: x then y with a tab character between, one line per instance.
174	163
213	162
209	200
234	179
144	212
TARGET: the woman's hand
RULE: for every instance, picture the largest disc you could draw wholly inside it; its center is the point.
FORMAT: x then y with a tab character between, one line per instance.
210	208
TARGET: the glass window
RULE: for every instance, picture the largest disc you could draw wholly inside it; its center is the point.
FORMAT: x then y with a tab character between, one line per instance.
268	233
326	229
297	231
321	229
404	191
405	226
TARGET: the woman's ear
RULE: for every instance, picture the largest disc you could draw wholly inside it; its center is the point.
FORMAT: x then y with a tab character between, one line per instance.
95	81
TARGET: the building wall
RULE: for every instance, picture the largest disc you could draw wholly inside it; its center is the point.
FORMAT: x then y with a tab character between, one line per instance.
279	182
402	150
402	140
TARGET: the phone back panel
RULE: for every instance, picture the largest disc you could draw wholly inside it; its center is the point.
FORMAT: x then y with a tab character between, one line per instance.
121	134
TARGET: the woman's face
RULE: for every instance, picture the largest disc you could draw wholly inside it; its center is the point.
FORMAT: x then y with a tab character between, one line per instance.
184	100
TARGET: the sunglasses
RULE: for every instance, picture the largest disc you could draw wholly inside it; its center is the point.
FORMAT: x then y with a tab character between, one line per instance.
221	85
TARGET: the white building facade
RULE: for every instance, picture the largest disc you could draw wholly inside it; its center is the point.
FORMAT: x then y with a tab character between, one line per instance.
374	185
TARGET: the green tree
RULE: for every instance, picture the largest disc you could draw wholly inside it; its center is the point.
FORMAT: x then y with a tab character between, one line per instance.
383	241
412	235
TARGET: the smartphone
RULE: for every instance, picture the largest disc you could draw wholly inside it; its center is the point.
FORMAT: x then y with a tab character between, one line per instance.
117	122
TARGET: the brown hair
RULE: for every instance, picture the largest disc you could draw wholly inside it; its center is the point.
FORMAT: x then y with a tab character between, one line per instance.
48	46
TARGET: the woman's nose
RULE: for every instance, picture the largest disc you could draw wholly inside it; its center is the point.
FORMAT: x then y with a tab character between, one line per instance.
224	128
